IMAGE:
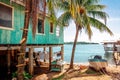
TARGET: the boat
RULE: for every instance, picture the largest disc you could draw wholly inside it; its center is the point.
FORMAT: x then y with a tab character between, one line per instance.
110	46
97	62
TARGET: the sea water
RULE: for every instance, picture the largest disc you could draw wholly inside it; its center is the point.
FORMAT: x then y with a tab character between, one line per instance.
83	52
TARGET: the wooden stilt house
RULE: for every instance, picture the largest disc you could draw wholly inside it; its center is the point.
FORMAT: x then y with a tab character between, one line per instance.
48	35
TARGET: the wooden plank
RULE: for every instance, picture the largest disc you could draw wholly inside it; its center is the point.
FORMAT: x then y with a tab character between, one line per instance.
21	54
22	28
20	65
23	40
21	2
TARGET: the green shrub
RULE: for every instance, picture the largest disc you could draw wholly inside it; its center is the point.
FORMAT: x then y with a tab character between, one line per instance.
26	75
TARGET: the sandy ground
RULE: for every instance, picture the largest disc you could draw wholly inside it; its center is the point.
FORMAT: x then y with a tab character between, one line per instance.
113	69
110	69
102	77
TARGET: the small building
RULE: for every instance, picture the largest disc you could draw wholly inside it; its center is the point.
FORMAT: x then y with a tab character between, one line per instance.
12	14
111	46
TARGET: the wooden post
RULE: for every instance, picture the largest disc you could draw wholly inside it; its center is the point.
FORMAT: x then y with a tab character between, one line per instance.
62	52
31	60
50	57
12	52
44	54
44	48
8	60
20	66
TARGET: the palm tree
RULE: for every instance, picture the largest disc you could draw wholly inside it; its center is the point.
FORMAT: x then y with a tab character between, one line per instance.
85	14
31	9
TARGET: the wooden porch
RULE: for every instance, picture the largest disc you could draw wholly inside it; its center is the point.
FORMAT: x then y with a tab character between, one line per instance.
11	52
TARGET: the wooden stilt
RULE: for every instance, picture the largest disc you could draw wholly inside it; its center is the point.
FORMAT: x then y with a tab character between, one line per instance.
31	60
62	52
8	60
44	48
44	54
12	52
50	57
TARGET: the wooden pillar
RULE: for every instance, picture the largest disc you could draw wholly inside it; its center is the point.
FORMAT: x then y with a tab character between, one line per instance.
31	60
12	52
50	57
62	52
8	61
44	48
44	53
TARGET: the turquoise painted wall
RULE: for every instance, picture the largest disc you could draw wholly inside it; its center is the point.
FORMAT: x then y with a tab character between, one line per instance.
14	36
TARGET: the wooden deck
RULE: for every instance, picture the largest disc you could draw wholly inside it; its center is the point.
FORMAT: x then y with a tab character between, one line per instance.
42	69
43	72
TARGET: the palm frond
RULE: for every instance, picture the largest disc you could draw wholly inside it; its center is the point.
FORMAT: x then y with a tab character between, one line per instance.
99	14
91	2
86	26
63	5
51	11
95	7
88	31
64	19
99	25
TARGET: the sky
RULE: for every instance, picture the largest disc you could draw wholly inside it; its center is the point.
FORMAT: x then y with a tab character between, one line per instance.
113	23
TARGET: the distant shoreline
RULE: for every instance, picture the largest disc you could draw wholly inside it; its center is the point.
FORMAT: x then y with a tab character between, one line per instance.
81	43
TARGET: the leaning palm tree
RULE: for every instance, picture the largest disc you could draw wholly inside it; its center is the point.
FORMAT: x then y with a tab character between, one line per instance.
85	14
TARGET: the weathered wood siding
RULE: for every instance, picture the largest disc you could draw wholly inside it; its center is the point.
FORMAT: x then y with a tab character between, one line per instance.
14	35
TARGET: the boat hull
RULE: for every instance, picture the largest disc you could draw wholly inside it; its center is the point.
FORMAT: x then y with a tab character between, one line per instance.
97	64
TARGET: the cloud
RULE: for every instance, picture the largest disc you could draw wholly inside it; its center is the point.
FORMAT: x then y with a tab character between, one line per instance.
112	23
113	19
110	20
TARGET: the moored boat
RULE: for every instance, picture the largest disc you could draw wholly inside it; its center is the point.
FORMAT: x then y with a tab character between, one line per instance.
97	62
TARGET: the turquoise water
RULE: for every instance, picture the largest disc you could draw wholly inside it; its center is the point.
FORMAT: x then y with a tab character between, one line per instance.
83	52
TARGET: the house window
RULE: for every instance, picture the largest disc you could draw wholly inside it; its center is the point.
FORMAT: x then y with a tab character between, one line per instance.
57	31
51	27
5	16
40	26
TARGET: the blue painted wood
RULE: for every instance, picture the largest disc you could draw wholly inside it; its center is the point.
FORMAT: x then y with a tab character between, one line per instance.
14	36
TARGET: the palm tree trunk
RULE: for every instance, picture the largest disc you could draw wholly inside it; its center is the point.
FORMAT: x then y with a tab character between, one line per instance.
26	25
21	55
44	11
74	47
